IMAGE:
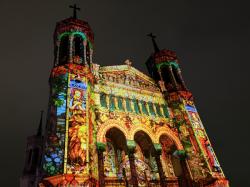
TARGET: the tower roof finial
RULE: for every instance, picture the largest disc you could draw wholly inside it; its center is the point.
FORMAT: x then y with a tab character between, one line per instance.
75	8
40	127
156	48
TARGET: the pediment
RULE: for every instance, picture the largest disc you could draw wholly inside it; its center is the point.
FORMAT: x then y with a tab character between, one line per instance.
129	76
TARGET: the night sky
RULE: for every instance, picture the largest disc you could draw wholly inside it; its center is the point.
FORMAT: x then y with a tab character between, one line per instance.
211	39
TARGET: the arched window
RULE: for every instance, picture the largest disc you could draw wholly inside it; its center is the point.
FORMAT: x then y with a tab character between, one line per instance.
146	166
64	50
116	162
166	78
78	49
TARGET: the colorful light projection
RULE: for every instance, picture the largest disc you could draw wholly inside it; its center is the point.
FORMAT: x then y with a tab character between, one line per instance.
110	168
134	105
166	158
146	167
116	163
54	149
77	137
202	137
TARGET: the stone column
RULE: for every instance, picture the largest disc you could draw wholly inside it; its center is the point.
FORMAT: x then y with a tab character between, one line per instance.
131	149
57	53
162	110
85	52
71	39
116	102
124	104
101	147
107	100
163	179
147	107
180	77
173	80
90	55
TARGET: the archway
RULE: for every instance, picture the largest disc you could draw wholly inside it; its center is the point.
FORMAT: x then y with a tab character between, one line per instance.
64	50
173	164
78	52
146	166
116	162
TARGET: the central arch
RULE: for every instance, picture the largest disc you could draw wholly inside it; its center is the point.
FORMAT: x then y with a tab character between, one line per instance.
168	132
145	161
109	124
147	130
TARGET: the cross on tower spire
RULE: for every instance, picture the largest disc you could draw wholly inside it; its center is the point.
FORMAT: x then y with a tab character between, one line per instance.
75	8
156	48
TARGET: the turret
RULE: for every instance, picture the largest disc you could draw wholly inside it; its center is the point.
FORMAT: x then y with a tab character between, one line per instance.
73	41
163	66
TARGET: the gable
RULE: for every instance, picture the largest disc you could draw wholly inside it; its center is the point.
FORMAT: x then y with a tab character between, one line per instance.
129	76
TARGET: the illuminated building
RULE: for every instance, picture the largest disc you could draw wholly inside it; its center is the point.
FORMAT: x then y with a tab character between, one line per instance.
116	126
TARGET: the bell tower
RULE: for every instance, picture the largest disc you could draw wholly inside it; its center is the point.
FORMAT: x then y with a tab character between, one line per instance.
163	66
73	41
66	158
199	160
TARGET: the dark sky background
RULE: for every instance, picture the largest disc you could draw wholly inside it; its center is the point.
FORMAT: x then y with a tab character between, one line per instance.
211	38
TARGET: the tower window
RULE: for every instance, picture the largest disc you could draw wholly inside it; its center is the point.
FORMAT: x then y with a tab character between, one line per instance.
79	49
64	50
165	75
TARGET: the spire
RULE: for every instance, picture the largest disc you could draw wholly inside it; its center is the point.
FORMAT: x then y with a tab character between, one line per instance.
75	8
40	127
156	48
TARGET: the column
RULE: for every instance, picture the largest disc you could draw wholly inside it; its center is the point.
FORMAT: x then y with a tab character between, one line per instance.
147	107
170	71
84	51
91	55
162	110
180	77
108	100
161	82
57	53
163	179
116	103
131	149
101	147
124	104
71	39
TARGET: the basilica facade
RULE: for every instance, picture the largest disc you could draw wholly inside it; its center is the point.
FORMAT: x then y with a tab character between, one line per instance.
116	126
